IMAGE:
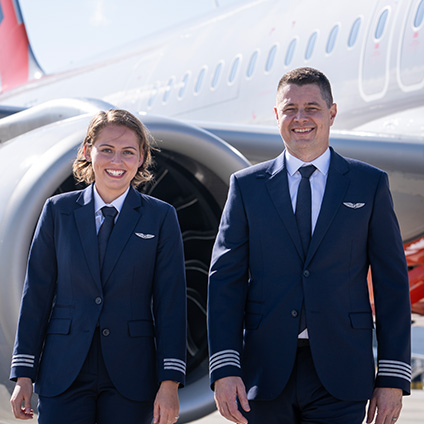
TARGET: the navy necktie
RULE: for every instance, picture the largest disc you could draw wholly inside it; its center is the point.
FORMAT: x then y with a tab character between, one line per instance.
109	212
304	221
304	207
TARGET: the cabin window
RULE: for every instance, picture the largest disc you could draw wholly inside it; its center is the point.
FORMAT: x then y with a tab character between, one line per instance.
217	75
290	52
419	16
311	45
354	32
234	70
199	82
183	85
168	89
381	24
270	59
332	39
153	95
252	64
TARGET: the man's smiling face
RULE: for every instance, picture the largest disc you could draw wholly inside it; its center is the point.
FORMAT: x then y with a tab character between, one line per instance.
304	120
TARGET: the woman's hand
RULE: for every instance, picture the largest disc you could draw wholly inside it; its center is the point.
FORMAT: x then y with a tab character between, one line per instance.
166	406
21	399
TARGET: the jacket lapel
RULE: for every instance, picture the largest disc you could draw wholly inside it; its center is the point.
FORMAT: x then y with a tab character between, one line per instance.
122	231
337	184
85	222
278	189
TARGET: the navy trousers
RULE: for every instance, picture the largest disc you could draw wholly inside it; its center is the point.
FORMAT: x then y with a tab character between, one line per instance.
304	400
92	398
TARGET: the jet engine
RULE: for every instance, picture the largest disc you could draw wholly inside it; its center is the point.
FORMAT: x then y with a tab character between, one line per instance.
192	170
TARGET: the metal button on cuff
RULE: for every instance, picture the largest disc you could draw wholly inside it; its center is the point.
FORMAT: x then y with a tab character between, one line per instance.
98	300
106	332
294	313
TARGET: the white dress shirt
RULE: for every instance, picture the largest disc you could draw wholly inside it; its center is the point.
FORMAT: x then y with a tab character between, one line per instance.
318	181
99	203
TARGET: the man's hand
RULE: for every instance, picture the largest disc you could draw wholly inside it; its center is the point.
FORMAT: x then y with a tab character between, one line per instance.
166	406
226	392
21	399
388	404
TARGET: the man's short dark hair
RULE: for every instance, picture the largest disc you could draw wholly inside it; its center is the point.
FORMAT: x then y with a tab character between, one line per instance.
304	76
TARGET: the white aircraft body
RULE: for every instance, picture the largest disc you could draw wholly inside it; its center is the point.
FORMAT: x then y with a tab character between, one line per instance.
206	90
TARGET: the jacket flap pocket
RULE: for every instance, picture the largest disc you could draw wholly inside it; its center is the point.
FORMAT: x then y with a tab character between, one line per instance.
59	326
252	321
361	320
141	328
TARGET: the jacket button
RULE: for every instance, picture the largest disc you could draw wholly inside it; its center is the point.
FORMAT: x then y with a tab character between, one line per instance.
98	300
306	273
294	313
106	332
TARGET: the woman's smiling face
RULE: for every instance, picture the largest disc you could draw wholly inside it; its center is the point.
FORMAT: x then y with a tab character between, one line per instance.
115	157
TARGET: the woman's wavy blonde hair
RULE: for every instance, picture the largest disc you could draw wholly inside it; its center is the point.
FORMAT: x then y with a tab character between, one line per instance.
83	169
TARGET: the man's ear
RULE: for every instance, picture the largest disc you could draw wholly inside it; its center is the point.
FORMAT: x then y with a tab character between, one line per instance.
333	113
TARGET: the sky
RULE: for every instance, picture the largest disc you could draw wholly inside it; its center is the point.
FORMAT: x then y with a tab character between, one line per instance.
64	32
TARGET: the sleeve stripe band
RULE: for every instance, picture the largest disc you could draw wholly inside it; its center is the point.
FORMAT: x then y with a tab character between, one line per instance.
223	352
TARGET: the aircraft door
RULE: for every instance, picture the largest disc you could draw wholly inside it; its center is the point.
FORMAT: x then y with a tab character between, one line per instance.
411	48
375	63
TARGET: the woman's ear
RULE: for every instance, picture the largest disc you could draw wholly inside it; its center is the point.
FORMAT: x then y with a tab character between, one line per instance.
87	153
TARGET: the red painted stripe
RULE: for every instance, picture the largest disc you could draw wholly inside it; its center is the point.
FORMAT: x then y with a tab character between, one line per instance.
14	49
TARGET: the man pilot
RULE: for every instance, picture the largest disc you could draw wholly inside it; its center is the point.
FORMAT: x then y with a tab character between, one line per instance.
289	317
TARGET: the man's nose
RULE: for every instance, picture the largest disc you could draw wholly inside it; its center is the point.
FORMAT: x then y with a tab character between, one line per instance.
301	115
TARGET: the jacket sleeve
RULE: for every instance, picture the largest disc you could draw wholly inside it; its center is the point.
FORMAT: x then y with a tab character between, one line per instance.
169	301
228	281
37	298
391	293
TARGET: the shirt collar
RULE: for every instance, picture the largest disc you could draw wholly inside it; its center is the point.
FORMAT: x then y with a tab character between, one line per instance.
322	163
99	203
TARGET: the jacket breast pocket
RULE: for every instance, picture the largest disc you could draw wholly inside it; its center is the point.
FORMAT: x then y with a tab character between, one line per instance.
361	320
59	326
141	328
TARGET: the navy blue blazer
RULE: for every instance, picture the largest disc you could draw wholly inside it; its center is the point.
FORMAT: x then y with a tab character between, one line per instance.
259	279
140	307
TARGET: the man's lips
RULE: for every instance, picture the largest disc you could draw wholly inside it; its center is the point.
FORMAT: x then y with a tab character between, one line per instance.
302	130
